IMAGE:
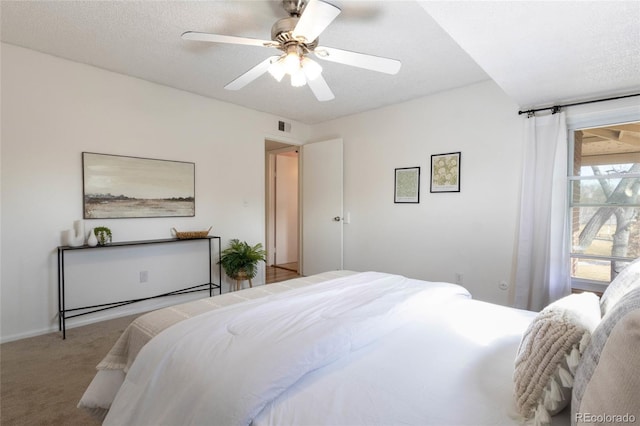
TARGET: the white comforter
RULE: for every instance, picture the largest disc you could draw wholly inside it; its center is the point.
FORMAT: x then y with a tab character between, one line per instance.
225	366
452	366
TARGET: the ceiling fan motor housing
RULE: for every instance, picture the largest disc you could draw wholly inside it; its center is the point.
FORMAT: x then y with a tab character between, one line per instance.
293	7
281	33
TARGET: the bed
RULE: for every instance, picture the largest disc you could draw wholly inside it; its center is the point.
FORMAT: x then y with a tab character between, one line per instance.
346	348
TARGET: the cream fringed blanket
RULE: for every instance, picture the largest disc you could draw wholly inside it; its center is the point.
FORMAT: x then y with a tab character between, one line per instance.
112	369
549	353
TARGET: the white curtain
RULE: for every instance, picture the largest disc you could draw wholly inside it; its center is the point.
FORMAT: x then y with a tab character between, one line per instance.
542	273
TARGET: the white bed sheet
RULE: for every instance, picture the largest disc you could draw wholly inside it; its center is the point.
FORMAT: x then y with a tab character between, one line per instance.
454	366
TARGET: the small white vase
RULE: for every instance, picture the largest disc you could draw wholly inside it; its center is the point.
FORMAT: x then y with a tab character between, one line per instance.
67	237
78	226
77	239
92	241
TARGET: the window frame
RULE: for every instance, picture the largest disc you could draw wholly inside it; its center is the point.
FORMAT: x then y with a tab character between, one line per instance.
602	120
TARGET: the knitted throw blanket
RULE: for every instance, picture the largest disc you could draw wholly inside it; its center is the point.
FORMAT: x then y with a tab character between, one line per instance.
549	354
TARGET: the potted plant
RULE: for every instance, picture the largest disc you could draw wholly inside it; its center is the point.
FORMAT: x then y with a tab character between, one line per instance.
103	234
240	260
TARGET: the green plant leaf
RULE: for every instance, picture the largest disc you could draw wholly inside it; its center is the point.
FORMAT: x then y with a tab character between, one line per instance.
240	257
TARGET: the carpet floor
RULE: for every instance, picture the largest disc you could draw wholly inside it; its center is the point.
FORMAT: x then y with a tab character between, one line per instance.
42	378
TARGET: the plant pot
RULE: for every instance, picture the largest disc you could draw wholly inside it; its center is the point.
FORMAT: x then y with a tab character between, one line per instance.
103	238
242	276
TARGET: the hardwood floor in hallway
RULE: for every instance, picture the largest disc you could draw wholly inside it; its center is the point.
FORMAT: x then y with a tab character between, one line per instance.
274	274
292	266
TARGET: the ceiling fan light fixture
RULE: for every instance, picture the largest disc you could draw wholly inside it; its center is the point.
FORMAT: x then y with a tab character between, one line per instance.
277	70
311	68
291	62
298	79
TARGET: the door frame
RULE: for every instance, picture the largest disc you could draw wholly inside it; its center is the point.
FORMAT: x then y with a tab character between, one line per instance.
268	176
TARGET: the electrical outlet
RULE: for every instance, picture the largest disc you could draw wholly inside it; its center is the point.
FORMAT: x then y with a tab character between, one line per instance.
144	276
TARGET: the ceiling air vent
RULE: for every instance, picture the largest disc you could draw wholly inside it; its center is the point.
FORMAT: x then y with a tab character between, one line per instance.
284	127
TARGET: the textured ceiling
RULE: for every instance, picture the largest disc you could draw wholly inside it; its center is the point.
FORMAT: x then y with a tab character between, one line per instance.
142	39
549	52
535	58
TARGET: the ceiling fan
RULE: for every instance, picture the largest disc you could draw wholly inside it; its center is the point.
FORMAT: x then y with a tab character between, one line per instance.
297	38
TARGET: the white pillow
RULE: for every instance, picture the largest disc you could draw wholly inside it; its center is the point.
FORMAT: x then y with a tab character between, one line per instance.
549	354
608	373
626	280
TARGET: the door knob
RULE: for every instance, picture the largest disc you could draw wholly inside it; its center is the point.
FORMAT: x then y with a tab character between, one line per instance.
337	218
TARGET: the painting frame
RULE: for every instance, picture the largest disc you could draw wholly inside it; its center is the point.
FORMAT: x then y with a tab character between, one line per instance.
126	187
406	185
445	172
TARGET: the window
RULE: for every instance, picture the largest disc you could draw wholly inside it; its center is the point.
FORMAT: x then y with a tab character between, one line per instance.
604	212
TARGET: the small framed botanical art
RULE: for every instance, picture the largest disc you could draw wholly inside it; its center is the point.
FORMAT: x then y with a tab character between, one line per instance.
407	185
445	172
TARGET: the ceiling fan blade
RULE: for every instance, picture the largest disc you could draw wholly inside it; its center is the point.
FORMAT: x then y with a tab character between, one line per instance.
360	60
251	75
321	89
316	16
219	38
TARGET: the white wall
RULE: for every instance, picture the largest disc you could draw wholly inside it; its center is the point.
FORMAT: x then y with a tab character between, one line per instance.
52	110
472	232
286	222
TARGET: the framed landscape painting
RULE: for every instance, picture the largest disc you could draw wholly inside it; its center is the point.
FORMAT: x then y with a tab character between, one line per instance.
445	172
116	186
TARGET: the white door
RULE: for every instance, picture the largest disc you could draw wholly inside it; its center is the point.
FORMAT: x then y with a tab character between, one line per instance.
322	206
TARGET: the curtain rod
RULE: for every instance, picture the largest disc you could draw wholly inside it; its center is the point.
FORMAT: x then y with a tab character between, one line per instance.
556	108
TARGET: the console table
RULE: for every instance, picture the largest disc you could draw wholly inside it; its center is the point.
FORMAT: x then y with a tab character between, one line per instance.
63	311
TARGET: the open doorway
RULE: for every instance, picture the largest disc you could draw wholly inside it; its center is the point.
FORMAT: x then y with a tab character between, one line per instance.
282	211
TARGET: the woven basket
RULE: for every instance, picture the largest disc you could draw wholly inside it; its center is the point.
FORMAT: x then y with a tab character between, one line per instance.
191	234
